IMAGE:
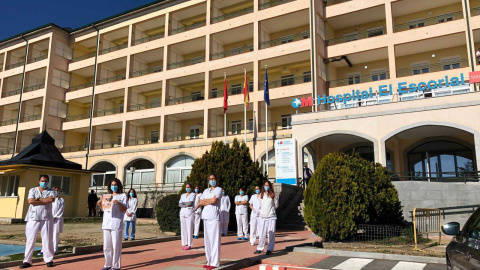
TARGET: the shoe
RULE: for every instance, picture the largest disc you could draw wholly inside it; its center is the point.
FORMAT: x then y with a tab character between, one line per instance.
195	237
40	253
205	266
126	239
253	244
55	253
245	238
257	252
50	264
25	265
133	239
106	268
187	248
269	252
239	238
183	248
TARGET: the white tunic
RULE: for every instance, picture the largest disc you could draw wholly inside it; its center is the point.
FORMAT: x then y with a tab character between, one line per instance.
40	212
58	207
187	211
255	202
241	209
197	200
132	208
113	218
211	212
268	206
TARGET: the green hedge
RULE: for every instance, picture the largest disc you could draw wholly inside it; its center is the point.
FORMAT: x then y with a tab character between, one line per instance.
168	213
347	190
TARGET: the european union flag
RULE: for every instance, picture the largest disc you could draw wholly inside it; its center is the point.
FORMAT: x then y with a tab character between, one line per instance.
266	93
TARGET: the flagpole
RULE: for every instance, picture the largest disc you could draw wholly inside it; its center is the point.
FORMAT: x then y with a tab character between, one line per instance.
245	107
266	130
224	117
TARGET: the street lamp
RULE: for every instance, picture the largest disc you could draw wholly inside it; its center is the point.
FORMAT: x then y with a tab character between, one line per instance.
132	170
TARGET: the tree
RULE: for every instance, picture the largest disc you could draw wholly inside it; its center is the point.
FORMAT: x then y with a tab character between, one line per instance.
347	190
168	213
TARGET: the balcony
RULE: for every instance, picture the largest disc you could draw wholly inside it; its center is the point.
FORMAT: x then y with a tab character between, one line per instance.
225	10
8	122
114	48
15	65
84	49
75	140
109	112
15	58
146	63
114	41
74	148
78	109
235	80
384	75
272	3
83	57
285	39
77	117
452	16
186	89
112	71
80	86
289	80
185	126
109	103
144	97
432	67
38	51
30	118
81	79
37	59
275	32
143	131
107	136
358	36
231	42
235	121
6	143
25	137
187	19
34	80
31	110
149	30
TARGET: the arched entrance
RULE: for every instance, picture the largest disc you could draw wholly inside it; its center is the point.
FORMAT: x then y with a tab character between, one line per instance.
106	171
142	171
178	169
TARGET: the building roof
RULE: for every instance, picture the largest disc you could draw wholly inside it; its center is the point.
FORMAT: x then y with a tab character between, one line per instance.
42	152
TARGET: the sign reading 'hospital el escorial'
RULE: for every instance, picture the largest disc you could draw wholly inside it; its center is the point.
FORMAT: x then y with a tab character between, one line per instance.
286	161
383	90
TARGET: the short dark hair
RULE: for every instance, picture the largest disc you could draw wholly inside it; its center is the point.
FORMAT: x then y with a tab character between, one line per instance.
119	185
188	184
134	193
44	175
55	187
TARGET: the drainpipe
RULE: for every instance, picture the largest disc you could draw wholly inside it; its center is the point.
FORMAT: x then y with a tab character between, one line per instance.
312	54
93	99
20	99
472	51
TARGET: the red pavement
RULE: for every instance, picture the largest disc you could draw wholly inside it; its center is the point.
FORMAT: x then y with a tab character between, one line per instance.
170	254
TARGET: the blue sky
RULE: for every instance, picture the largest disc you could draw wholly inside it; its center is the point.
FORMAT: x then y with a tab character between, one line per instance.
21	15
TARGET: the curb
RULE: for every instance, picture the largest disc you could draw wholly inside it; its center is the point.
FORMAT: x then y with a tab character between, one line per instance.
369	255
277	267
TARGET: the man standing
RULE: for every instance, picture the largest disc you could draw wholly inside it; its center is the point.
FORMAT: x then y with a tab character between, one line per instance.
39	218
92	204
57	208
307	174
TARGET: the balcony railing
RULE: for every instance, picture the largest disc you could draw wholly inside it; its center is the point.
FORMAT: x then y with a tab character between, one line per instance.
359	79
457	15
109	112
19	64
286	82
80	86
8	122
232	15
111	79
219	132
363	35
34	87
77	117
187	28
188	62
334	2
146	71
106	145
114	48
274	3
36	59
431	68
475	12
231	91
6	151
235	51
187	99
285	39
30	118
183	137
149	38
144	106
274	126
142	141
83	57
12	93
75	148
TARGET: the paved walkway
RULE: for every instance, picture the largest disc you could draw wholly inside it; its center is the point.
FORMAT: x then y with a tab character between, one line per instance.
170	256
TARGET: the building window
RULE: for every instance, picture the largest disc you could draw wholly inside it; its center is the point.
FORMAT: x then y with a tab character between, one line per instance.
416	24
420	68
286	39
451	63
119	140
62	49
307	76
250	87
214	93
57	108
9	185
62	182
61	79
194	132
236	127
378	75
196	96
354	78
350	37
286	121
154	136
144	173
102	179
236	89
287	80
250	125
373	32
445	17
178	169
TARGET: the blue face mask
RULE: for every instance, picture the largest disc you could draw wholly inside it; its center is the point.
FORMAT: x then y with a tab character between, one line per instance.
223	193
212	183
257	191
242	192
43	184
114	188
267	188
188	190
131	194
196	190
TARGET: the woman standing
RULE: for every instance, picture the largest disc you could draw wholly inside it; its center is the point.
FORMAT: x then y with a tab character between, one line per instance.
254	216
224	213
268	218
210	199
114	206
130	214
198	212
242	215
186	202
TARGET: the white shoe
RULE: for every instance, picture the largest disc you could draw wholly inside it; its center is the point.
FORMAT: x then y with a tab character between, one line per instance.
253	244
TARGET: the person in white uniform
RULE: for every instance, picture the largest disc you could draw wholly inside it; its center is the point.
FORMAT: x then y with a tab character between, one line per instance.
114	209
210	200
254	216
187	215
241	213
58	206
224	213
40	219
198	213
131	214
268	218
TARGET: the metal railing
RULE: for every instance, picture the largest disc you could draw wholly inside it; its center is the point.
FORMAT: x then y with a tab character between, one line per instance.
273	127
157	187
286	82
232	15
219	132
8	122
447	177
75	148
154	69
431	68
285	39
454	210
82	57
235	51
30	118
363	35
185	63
452	16
149	38
111	79
36	59
114	48
359	79
181	100
187	28
334	2
474	12
12	93
19	64
144	106
299	188
106	145
109	112
183	137
427	221
142	141
80	86
6	151
231	91
273	3
77	117
34	87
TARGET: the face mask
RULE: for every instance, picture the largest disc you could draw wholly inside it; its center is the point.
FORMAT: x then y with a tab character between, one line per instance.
188	190
212	183
267	188
114	188
242	192
131	194
43	184
223	193
257	191
196	190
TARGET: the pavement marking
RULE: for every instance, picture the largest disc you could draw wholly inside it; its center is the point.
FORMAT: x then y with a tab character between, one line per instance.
353	264
409	266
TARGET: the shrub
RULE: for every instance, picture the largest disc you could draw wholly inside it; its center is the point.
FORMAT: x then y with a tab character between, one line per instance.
347	190
168	213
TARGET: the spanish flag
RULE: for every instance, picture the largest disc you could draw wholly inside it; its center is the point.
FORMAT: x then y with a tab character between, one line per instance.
245	90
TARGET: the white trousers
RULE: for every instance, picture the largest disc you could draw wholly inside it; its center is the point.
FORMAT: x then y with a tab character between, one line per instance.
242	225
266	226
186	226
31	231
211	231
198	218
253	228
224	228
112	248
56	233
